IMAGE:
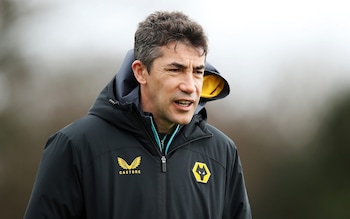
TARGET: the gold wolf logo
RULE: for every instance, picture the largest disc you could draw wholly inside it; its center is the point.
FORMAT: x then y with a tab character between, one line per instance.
201	172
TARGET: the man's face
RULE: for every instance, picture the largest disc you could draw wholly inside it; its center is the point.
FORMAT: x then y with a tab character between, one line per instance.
171	90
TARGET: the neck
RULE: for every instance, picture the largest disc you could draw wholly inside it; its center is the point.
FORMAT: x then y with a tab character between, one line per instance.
164	129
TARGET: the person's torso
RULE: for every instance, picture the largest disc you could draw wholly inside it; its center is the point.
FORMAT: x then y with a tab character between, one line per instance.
122	179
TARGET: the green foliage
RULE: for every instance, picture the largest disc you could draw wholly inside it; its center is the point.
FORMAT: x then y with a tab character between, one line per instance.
314	182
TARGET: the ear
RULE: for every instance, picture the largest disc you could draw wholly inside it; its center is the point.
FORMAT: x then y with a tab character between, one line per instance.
140	71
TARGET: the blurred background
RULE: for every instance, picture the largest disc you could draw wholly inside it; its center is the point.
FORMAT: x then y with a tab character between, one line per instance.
288	64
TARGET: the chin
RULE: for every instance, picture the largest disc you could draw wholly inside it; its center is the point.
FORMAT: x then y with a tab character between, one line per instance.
184	121
182	118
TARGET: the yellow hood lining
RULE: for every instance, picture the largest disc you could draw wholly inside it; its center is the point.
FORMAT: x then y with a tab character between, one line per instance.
212	86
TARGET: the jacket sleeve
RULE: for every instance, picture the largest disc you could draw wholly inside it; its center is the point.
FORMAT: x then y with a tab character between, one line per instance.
57	190
236	202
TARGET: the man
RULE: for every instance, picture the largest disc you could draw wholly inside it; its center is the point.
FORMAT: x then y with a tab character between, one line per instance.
145	149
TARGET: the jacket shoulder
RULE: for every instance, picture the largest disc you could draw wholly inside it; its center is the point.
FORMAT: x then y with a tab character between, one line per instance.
84	126
87	138
220	137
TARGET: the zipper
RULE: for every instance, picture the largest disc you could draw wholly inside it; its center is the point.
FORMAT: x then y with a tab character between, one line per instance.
162	144
163	190
163	160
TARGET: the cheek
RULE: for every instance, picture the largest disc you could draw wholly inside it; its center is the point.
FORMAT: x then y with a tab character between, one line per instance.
199	86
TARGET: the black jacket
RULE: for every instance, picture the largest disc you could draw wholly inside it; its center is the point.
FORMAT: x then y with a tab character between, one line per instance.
108	165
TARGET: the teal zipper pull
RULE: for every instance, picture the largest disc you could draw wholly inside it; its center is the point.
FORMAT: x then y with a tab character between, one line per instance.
163	159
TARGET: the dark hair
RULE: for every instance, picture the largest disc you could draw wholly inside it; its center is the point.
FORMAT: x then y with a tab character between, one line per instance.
161	28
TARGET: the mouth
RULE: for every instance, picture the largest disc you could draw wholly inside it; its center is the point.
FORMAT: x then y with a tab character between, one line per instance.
184	103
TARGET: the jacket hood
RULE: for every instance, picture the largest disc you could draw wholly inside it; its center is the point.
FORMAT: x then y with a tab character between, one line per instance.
214	85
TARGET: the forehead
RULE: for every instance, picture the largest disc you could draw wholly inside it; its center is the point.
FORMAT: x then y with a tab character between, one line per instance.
182	53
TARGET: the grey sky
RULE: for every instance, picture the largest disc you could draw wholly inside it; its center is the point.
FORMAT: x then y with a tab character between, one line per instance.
251	42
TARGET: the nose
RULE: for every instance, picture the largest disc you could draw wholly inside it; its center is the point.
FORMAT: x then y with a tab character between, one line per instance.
187	84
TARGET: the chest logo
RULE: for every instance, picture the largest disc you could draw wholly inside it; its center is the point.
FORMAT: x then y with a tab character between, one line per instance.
129	169
201	172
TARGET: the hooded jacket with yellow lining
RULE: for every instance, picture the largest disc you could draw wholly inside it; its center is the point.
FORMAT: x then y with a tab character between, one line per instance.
108	164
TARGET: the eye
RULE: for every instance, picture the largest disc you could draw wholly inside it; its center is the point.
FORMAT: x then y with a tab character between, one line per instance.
173	70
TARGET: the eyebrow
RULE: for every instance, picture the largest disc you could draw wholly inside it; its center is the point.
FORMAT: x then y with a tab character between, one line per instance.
181	66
